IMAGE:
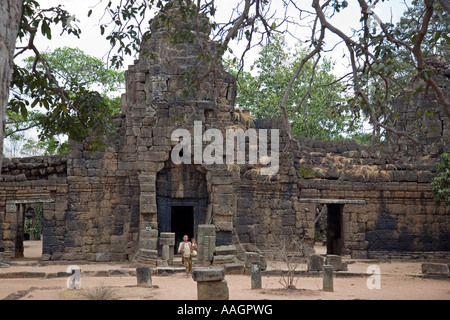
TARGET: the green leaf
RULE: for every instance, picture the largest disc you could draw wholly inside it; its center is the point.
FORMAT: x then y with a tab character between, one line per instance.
45	29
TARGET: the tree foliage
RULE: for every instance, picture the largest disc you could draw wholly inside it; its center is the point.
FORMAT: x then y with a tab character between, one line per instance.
440	185
61	82
399	55
78	101
371	50
316	107
48	147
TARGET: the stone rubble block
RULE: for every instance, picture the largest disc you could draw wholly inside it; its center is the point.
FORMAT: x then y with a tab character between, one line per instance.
167	238
222	259
118	272
315	262
167	235
336	262
147	234
435	269
208	274
251	257
213	290
150	244
146	255
225	250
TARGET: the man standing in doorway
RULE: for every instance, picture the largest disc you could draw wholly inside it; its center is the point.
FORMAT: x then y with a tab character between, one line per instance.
185	249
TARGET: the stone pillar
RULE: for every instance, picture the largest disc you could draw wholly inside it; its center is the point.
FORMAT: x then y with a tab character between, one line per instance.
328	278
256	282
144	276
148	241
167	241
206	243
165	252
211	284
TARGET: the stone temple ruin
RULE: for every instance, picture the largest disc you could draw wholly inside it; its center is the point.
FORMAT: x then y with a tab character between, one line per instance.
127	202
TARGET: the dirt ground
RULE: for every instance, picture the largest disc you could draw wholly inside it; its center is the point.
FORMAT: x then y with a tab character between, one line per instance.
399	280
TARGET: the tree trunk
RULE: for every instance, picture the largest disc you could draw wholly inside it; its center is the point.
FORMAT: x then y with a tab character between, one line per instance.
10	15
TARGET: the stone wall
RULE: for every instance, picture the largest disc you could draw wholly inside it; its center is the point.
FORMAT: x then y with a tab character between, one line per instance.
33	168
36	180
399	217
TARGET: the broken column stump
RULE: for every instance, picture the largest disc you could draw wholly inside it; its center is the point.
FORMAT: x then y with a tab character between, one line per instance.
315	262
144	276
211	284
148	241
328	278
256	281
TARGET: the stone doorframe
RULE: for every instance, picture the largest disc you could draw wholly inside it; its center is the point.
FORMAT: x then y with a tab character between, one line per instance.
13	236
221	186
344	230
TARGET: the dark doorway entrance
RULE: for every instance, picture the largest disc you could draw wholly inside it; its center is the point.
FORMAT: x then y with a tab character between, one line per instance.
182	222
335	242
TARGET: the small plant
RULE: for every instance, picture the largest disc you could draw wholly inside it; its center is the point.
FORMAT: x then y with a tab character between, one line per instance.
34	226
317	236
440	185
99	293
306	173
290	252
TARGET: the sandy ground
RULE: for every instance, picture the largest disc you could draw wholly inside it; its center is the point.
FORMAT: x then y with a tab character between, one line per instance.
399	280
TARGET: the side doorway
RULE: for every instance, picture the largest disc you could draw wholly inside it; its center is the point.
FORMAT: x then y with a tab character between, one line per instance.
334	234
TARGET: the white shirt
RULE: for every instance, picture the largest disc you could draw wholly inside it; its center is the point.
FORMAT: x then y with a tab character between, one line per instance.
187	249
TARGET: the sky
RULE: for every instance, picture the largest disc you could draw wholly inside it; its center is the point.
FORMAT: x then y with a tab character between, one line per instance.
94	44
